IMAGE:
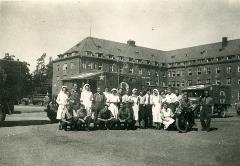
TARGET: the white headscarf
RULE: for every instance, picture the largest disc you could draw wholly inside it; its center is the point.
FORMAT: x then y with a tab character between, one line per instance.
156	91
84	87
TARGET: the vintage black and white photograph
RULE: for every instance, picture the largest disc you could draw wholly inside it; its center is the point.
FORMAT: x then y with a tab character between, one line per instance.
120	83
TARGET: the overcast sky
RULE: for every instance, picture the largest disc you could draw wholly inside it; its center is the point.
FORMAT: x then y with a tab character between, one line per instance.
30	28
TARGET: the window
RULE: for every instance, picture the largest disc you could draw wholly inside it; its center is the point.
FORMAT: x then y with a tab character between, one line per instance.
190	72
208	71
182	73
72	65
218	70
130	59
228	81
218	82
182	84
178	83
189	82
199	81
238	68
100	55
173	73
100	66
120	69
58	78
199	71
156	73
131	70
157	83
173	83
169	74
139	60
209	59
90	66
84	65
89	53
164	74
238	95
220	58
148	83
230	57
58	67
229	69
111	57
148	72
120	58
95	66
208	81
65	68
111	68
178	73
156	64
239	81
148	62
140	71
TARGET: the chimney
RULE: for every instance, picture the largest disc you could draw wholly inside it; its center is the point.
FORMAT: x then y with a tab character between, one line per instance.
224	42
131	43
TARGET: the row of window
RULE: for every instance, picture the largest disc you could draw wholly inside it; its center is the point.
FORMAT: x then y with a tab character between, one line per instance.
207	81
99	66
206	70
201	61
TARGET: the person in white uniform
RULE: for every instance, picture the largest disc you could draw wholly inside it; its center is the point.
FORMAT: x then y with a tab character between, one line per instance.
167	116
134	99
108	95
62	101
86	99
114	100
156	108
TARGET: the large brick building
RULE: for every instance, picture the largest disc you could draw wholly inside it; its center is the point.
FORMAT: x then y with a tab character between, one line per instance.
106	63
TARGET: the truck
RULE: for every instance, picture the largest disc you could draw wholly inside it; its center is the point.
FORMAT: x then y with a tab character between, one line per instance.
221	95
11	86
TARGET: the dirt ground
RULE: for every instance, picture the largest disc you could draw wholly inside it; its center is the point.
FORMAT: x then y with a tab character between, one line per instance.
28	138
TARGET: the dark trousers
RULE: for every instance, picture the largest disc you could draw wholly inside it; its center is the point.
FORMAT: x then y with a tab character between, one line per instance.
205	114
81	123
142	115
110	124
128	124
96	112
70	122
148	118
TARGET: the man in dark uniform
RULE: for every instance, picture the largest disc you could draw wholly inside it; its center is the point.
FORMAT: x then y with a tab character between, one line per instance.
74	97
106	118
206	110
99	100
148	108
125	116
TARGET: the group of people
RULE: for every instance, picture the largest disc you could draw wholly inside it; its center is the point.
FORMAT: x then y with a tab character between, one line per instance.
113	109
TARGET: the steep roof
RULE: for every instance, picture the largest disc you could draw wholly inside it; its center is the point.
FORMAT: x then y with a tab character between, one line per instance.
116	49
204	51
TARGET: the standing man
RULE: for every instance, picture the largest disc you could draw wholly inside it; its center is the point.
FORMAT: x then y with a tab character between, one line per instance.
142	112
99	100
74	97
206	110
148	108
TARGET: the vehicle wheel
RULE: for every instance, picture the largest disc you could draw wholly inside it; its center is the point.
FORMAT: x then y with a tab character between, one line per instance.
182	124
223	113
2	115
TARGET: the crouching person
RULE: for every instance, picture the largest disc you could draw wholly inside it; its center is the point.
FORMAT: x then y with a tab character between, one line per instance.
125	116
167	116
106	119
67	118
83	121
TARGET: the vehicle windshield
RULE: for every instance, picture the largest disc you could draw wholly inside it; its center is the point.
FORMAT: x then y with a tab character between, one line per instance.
194	93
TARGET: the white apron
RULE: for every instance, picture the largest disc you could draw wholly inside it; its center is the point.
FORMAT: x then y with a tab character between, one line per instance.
156	109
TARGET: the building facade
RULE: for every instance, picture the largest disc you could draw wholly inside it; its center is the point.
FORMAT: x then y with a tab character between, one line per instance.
104	63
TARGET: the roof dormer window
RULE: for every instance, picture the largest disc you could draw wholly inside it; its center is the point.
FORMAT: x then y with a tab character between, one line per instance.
89	53
120	58
100	55
130	59
156	63
111	56
148	62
